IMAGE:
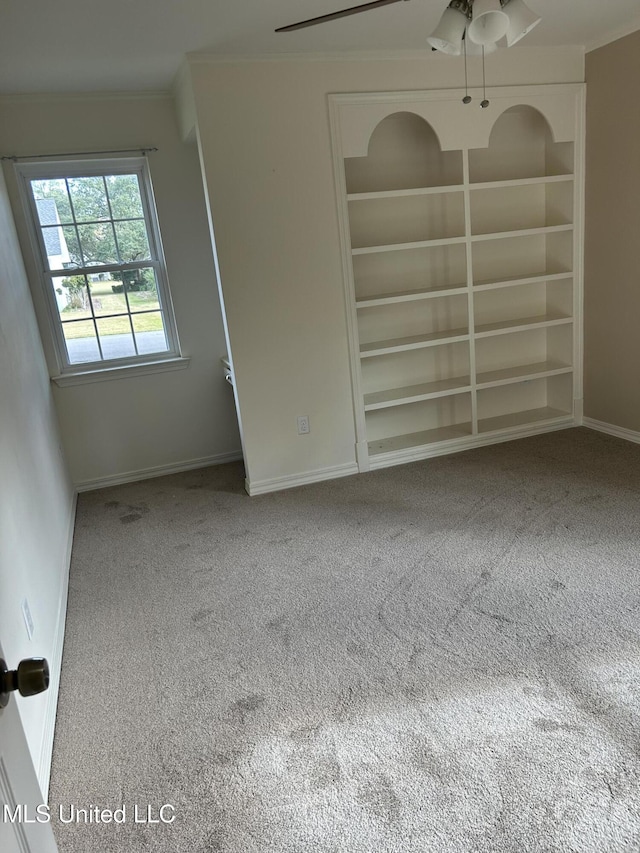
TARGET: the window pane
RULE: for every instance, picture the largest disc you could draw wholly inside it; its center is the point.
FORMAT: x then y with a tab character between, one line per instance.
89	199
81	341
52	201
98	255
124	195
142	290
72	297
132	240
98	244
107	296
150	335
62	247
116	339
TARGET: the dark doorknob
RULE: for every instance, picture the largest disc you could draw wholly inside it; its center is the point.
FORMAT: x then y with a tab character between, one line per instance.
31	677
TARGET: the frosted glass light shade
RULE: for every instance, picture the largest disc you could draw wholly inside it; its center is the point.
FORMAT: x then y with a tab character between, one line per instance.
489	22
447	36
474	49
521	20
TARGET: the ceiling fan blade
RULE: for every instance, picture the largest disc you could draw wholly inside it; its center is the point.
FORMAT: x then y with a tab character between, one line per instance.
353	10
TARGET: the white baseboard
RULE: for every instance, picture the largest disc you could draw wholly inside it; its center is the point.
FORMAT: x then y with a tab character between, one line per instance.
610	429
157	471
277	484
55	664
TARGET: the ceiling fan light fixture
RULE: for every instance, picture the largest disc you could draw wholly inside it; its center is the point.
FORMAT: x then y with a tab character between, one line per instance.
521	20
474	49
489	22
447	36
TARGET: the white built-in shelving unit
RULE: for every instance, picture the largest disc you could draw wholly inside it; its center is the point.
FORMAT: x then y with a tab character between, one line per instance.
462	239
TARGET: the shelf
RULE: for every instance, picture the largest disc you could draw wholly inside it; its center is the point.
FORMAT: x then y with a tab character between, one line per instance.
505	376
413	342
517	325
399	247
516	281
523	232
515	419
411	296
456	188
418	439
520	182
492	231
416	393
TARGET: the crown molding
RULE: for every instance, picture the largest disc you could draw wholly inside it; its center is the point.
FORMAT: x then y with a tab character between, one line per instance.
198	58
42	97
382	54
614	35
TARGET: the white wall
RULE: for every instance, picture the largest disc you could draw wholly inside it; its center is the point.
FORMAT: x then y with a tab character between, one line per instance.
612	296
138	426
266	154
36	497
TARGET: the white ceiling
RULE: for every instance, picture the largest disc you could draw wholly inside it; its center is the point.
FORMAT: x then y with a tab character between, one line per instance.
117	45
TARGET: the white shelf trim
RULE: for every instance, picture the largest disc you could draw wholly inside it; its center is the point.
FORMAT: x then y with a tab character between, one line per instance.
486	330
400	247
522	418
452	188
416	393
525	373
520	182
413	342
415	440
539	278
411	296
523	232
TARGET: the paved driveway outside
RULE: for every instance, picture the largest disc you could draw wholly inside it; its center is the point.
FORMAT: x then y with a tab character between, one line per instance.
115	346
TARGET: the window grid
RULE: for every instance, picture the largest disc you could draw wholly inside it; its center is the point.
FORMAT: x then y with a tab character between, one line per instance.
144	242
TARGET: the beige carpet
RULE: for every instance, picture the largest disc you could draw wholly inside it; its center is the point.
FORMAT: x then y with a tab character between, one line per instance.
441	657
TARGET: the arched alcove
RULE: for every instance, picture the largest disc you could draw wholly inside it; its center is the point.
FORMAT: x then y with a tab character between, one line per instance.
521	145
404	153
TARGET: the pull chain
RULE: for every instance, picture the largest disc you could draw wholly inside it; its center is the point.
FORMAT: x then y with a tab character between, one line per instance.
467	96
484	103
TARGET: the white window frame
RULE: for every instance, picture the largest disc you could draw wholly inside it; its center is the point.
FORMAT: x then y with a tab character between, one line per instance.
97	167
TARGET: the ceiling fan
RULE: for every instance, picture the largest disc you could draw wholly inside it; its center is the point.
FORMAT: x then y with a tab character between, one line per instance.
483	21
352	10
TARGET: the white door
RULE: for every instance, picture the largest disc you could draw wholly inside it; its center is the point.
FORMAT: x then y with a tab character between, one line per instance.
22	829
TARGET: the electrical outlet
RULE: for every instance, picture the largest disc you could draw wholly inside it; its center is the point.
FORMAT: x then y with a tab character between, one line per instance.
303	425
28	619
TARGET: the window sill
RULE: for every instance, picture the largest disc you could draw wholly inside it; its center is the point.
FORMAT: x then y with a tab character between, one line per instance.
105	374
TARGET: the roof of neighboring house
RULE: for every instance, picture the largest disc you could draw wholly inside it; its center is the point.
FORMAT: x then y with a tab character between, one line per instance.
48	215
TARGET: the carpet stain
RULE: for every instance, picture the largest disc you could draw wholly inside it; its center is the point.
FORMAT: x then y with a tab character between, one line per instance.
379	799
227	758
427	761
130	518
277	626
325	772
416	652
356	649
201	616
112	504
248	704
135	512
417	692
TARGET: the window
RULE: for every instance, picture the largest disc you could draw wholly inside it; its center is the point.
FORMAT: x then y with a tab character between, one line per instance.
98	246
